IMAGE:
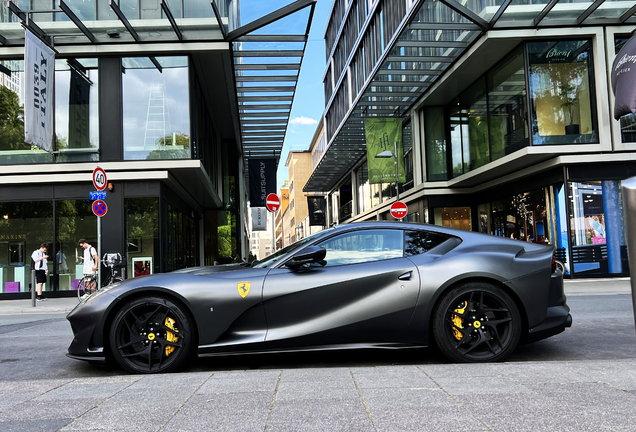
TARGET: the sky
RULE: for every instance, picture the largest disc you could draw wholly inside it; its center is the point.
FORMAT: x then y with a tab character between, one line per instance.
309	100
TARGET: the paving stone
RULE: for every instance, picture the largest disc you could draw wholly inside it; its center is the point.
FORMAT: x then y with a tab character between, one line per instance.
480	385
320	375
316	390
424	419
390	377
46	425
53	409
227	412
406	398
320	415
83	391
240	382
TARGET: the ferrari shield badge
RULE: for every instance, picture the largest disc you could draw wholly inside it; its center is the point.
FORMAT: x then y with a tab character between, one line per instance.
243	289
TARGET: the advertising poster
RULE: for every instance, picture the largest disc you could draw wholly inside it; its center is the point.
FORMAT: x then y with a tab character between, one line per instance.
381	135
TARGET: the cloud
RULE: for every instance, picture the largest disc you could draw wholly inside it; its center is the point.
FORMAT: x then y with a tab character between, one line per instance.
303	121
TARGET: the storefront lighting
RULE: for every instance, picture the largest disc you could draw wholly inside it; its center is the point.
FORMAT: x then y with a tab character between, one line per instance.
6	216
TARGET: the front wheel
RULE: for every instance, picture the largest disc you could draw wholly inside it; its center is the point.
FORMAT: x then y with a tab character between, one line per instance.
477	322
151	335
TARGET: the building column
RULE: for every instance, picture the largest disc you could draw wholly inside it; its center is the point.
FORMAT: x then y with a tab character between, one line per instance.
613	224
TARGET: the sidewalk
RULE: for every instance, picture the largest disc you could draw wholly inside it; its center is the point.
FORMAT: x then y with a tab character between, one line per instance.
65	305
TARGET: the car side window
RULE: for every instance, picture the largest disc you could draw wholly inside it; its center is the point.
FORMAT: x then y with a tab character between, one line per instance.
362	246
421	241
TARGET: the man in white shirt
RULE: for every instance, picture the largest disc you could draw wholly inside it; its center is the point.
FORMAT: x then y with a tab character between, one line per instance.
90	258
39	257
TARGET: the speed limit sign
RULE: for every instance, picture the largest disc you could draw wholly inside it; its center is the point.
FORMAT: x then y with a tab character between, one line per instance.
99	179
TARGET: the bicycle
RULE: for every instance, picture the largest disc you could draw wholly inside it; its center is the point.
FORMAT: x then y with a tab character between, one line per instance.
86	286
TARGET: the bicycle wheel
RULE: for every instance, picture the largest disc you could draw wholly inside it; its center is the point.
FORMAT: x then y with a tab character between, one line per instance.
86	286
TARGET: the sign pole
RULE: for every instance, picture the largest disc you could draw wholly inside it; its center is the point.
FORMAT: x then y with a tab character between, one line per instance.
99	252
273	233
397	175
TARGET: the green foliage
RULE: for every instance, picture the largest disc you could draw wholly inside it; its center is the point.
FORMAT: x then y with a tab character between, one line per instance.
11	121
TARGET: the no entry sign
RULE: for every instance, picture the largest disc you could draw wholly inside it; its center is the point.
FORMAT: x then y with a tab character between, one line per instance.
99	179
399	210
99	208
272	202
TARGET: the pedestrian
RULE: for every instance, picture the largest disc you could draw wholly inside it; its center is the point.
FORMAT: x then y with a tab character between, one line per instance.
61	260
90	261
39	258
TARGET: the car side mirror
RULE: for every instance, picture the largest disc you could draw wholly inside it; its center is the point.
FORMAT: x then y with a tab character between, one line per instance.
308	255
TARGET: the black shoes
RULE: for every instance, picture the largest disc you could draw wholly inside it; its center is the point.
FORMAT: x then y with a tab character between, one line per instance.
40	298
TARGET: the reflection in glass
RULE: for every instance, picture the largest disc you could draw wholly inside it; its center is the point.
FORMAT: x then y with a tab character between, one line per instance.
74	220
507	106
156	109
76	111
23	228
142	231
362	246
454	217
435	142
562	103
419	242
474	103
628	121
458	128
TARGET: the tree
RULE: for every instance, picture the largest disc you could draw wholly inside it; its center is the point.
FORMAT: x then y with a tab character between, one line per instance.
11	121
173	146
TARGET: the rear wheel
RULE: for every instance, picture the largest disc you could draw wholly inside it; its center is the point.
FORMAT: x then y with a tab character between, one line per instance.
151	335
477	322
86	286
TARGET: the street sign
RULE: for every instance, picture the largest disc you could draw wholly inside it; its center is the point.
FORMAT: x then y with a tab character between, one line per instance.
272	202
99	179
99	208
97	195
399	210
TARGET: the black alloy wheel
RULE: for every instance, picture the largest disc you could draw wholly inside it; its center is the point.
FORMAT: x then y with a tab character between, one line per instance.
151	335
477	322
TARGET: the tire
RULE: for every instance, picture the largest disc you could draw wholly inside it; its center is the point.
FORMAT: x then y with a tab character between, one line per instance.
151	335
476	322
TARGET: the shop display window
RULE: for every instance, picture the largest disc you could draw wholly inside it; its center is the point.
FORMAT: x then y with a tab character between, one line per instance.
628	121
520	217
454	217
561	92
435	142
142	234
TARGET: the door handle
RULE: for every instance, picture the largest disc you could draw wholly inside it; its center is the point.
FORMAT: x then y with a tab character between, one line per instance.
405	276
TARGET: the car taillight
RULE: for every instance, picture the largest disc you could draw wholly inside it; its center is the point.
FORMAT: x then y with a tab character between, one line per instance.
554	265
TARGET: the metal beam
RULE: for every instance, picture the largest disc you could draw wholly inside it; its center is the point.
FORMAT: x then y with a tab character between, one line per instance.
420	59
432	44
466	13
269	66
3	40
265	115
5	70
499	13
265	89
265	53
546	10
264	107
627	15
443	26
269	18
29	24
273	38
589	11
173	23
123	19
277	78
156	63
217	14
265	98
405	72
78	22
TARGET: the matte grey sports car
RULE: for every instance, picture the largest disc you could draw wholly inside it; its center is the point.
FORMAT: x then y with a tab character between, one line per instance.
361	285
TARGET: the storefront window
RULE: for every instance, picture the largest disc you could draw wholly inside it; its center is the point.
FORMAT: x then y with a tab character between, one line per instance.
460	154
561	94
628	121
454	217
156	109
23	228
507	106
435	142
407	149
142	236
74	220
180	239
364	189
596	227
521	217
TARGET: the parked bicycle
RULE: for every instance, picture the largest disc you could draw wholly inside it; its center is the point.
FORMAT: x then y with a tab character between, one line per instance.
88	284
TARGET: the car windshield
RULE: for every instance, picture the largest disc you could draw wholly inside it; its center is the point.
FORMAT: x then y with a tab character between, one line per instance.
271	259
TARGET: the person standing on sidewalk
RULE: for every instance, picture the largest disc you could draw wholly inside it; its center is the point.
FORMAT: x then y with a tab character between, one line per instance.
39	258
90	261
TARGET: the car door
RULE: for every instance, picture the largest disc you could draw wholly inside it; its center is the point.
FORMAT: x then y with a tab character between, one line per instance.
363	291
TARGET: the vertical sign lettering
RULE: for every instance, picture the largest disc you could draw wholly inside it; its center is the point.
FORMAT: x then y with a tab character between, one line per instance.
39	67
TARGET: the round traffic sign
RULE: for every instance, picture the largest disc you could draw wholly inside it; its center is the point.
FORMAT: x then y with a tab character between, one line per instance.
399	210
99	179
99	208
272	202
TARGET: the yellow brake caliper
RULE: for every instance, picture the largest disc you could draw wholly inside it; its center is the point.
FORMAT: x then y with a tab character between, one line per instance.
171	337
457	321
